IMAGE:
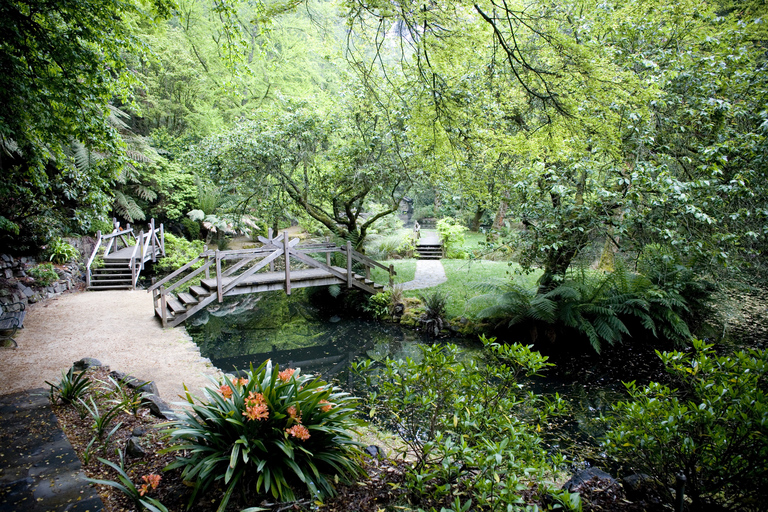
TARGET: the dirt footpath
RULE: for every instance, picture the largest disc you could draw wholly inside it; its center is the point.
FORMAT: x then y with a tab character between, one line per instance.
116	327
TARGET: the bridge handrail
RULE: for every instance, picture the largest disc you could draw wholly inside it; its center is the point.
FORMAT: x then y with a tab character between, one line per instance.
205	255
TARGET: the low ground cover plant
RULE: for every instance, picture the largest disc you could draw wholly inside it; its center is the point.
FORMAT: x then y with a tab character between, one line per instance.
44	274
270	431
712	428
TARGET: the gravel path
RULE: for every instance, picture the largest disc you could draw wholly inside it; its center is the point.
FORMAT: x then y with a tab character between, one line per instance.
429	273
116	327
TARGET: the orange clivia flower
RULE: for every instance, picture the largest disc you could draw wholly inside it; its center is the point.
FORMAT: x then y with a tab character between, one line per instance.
242	381
151	481
325	405
226	391
255	399
256	412
294	413
299	431
286	375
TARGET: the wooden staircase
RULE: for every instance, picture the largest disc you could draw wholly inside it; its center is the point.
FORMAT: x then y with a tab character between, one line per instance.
115	274
119	268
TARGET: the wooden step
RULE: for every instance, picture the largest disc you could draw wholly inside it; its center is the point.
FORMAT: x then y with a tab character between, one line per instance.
110	287
187	299
199	291
174	305
112	281
168	314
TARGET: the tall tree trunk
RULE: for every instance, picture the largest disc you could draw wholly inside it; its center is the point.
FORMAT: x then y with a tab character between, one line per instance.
502	211
475	226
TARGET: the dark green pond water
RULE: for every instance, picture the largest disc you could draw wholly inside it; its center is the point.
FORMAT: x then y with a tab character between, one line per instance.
307	330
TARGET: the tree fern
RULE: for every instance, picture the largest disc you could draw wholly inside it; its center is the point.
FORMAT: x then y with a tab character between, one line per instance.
127	208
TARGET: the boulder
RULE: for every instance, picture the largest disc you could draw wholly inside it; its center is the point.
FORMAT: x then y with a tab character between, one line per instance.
584	476
134	449
640	486
158	408
85	363
375	452
144	386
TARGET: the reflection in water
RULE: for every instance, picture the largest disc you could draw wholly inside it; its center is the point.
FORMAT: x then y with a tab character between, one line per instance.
292	332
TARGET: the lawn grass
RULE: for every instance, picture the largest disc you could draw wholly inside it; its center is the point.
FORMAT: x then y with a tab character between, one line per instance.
405	269
463	278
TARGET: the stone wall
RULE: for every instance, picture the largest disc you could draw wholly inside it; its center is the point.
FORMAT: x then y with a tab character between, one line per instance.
17	286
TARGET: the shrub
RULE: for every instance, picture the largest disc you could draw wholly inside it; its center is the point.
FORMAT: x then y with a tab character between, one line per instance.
44	274
433	318
178	252
60	251
713	428
469	427
268	433
379	305
600	308
452	235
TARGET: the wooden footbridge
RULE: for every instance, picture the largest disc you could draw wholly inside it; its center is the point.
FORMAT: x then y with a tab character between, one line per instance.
119	267
254	271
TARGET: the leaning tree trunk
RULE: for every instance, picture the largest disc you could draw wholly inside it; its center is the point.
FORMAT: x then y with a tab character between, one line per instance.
475	226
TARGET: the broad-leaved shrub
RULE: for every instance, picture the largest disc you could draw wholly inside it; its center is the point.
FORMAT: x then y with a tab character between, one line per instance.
470	429
712	428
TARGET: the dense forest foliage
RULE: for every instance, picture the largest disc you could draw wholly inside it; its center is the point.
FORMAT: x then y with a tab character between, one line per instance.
620	124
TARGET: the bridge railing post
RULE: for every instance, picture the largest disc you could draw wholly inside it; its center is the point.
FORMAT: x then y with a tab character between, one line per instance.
391	273
349	264
269	237
287	254
219	291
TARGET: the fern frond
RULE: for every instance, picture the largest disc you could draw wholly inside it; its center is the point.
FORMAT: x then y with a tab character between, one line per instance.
145	192
127	208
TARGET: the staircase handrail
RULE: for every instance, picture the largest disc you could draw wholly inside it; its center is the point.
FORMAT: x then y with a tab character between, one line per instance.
93	257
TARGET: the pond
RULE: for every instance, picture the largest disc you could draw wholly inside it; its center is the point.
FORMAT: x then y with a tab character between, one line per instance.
305	330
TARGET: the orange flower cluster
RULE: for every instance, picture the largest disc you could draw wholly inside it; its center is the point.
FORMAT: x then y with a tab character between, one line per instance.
294	414
299	431
225	391
151	481
242	381
286	375
256	407
325	405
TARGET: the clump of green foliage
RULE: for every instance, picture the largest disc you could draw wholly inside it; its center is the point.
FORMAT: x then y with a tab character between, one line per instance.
60	251
267	432
712	428
470	428
379	305
44	274
433	318
603	308
70	387
178	252
452	234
